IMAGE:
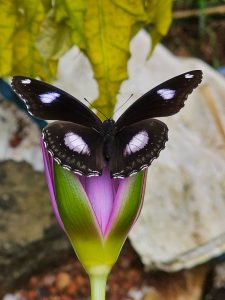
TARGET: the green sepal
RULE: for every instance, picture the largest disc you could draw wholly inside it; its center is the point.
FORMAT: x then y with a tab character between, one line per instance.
127	213
77	216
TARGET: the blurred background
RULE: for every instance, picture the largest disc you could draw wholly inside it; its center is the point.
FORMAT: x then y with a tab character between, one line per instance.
176	249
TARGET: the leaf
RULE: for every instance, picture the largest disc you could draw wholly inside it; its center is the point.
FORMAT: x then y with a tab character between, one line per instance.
53	34
109	27
161	20
74	12
63	25
28	60
34	34
8	21
20	24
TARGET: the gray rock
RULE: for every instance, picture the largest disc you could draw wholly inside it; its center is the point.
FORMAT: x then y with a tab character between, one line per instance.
9	297
30	238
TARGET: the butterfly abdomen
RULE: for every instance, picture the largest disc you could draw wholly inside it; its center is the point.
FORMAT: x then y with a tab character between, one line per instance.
108	133
108	147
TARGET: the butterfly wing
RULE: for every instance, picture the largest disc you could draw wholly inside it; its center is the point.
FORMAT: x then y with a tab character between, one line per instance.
136	146
75	147
48	102
164	100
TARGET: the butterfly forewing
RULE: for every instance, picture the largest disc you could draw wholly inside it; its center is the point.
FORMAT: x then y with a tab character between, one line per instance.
80	142
75	147
136	146
164	100
48	102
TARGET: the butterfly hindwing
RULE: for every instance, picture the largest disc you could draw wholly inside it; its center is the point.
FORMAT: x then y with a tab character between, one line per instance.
48	102
164	100
75	147
80	142
136	146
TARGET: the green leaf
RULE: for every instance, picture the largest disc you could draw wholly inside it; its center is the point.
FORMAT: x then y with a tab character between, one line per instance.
8	22
19	27
77	216
35	33
74	14
161	21
127	212
108	35
109	27
52	34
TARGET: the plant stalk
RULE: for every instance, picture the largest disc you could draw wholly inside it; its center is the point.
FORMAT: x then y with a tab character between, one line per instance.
98	278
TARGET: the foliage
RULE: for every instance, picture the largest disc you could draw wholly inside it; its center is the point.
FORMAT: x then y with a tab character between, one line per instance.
35	33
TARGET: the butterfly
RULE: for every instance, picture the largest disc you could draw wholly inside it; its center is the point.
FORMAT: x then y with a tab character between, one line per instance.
80	142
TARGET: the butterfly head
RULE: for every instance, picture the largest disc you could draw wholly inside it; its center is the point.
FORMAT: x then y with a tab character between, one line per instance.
108	127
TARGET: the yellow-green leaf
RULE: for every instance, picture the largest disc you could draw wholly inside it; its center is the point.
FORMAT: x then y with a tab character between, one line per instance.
35	33
72	13
19	25
53	34
27	59
161	21
109	27
8	22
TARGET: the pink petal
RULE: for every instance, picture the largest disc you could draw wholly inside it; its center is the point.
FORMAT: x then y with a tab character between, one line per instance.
117	202
123	185
49	174
100	191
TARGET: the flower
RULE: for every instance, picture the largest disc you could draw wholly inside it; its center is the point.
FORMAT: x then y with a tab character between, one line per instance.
96	213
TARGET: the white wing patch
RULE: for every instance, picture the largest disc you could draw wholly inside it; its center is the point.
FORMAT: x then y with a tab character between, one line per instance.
188	76
76	143
138	142
49	97
166	94
26	81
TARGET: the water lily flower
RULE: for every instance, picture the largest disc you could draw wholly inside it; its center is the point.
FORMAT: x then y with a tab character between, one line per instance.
96	213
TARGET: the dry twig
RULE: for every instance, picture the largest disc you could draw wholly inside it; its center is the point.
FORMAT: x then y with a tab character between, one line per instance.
180	14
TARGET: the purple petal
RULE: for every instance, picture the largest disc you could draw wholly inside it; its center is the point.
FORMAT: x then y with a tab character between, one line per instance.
100	191
118	199
49	174
142	195
82	180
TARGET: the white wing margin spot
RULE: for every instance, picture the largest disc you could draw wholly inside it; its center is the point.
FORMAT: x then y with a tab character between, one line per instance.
138	142
166	94
76	143
49	97
26	81
189	76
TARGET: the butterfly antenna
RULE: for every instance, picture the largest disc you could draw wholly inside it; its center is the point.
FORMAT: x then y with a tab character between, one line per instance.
122	105
95	108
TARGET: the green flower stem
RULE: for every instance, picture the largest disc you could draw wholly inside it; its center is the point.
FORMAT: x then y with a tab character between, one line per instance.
98	277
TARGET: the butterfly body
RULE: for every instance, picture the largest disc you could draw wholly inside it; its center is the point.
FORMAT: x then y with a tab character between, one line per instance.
80	142
108	134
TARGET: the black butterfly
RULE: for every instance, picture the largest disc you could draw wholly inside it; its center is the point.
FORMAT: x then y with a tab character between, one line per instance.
80	142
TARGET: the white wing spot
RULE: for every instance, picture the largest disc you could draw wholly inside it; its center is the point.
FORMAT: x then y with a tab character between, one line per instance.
26	81
188	76
49	97
166	94
138	142
76	143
